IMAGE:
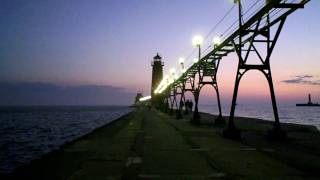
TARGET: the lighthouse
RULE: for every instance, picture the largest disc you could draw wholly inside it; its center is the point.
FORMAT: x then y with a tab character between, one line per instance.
157	73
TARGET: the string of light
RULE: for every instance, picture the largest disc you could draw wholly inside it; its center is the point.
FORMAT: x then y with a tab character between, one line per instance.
198	40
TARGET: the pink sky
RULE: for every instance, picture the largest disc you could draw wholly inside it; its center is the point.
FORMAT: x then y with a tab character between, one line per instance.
112	43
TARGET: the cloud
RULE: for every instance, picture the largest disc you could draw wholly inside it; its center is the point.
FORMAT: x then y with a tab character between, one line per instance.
303	79
48	94
304	76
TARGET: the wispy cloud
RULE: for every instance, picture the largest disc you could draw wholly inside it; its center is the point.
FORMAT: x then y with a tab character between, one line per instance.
303	79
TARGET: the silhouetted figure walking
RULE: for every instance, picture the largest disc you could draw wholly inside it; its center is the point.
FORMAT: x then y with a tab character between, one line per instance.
186	106
190	105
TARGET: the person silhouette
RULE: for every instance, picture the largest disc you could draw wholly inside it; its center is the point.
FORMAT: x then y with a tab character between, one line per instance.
191	105
186	106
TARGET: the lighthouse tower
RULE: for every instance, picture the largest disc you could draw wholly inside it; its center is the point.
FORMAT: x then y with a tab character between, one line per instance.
157	73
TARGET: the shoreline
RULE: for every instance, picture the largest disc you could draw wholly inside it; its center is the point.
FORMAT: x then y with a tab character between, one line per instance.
129	125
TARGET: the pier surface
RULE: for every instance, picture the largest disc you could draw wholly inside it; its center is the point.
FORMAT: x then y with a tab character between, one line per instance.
148	144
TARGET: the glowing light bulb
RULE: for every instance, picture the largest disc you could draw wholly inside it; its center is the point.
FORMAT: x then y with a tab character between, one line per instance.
145	98
216	41
172	71
181	60
197	40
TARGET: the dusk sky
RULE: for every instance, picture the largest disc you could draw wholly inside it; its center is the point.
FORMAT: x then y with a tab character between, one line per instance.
112	42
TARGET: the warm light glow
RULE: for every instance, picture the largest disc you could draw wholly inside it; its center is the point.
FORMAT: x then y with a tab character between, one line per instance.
145	98
167	80
197	40
216	41
162	85
171	80
195	60
181	60
172	71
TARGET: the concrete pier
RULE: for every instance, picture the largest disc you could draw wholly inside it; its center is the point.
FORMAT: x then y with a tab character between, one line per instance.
148	144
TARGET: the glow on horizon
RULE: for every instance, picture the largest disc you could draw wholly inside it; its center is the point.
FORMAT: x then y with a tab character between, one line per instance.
79	42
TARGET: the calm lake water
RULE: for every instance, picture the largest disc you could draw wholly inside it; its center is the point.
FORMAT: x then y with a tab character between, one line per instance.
287	113
26	133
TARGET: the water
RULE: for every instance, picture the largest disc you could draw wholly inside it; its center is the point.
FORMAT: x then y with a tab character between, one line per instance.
287	113
26	133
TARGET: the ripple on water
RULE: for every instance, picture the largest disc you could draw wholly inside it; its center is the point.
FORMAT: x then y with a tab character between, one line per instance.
28	133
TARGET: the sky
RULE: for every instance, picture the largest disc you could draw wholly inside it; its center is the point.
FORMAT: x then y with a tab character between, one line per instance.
112	43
